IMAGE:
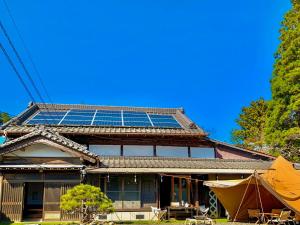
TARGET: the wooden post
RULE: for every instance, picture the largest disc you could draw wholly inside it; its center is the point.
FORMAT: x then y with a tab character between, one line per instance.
180	190
172	189
157	187
188	191
196	194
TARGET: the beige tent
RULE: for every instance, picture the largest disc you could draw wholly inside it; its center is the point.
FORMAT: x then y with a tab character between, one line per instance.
277	188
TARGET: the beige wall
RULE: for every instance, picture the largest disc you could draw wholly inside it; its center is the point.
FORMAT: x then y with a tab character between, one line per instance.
40	150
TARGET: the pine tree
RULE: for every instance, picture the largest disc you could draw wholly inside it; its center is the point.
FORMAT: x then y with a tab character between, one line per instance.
283	123
251	121
4	117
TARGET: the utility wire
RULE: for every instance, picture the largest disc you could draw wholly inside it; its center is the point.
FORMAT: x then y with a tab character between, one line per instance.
24	68
27	51
17	73
21	62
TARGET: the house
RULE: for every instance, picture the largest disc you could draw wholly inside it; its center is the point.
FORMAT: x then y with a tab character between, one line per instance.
140	157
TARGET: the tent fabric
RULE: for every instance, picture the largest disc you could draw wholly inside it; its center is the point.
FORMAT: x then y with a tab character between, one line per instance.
278	188
283	181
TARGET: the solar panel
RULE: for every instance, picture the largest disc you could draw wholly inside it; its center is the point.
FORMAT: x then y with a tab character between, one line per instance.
48	122
136	119
80	117
165	121
76	122
104	118
108	123
138	124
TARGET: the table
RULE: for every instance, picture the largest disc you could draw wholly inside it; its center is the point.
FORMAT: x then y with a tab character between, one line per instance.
180	210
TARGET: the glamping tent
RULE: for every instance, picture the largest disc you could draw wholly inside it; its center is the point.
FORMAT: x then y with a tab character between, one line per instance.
277	188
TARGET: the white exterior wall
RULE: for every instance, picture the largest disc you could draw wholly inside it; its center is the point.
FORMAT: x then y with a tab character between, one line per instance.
40	150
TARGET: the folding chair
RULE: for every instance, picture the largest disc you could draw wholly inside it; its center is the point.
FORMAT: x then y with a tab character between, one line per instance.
160	214
284	217
254	214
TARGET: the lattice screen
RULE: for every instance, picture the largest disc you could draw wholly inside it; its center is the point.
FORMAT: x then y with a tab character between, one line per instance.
213	204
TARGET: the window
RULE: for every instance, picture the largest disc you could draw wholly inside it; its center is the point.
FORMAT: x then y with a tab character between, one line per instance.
172	151
137	150
113	190
106	150
200	152
124	191
131	192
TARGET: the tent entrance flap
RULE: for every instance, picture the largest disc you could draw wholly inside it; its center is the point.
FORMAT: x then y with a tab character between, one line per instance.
274	188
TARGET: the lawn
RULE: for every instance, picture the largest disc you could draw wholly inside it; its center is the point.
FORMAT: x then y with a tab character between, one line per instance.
167	222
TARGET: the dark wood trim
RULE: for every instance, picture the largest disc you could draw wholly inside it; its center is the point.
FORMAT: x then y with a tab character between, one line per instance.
172	189
122	150
180	189
188	187
143	140
196	194
157	188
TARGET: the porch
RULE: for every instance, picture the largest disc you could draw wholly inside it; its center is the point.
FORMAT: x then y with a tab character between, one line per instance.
134	194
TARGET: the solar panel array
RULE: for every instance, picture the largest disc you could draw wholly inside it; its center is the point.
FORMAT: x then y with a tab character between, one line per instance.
114	118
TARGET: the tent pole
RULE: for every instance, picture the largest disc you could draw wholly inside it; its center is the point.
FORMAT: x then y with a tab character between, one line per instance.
236	214
259	196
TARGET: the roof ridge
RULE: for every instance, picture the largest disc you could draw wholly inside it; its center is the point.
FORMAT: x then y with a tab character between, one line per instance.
43	105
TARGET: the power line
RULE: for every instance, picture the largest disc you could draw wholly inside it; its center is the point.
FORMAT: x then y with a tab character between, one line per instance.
21	62
27	50
17	73
23	66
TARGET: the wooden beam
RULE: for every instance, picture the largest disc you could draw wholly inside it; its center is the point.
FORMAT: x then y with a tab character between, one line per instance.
188	191
196	194
180	189
172	189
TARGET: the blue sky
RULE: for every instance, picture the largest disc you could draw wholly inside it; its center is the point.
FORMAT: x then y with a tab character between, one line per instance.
210	57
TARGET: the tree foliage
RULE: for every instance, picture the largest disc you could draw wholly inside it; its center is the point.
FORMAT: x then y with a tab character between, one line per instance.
87	200
283	123
282	120
251	121
4	117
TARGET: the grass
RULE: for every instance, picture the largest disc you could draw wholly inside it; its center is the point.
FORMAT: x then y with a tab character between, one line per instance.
135	222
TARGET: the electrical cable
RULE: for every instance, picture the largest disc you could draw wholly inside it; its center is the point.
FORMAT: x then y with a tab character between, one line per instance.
27	51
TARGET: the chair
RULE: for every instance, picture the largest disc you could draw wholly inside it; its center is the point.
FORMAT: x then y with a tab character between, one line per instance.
275	213
296	219
204	211
160	214
254	214
284	217
203	218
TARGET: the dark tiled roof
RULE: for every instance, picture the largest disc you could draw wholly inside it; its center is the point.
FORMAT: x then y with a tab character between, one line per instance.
184	163
17	126
48	134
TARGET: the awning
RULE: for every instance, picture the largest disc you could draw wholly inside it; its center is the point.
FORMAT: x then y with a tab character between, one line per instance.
171	170
223	183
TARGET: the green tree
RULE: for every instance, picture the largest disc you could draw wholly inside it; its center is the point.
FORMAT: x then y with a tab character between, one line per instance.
283	123
4	117
251	122
87	200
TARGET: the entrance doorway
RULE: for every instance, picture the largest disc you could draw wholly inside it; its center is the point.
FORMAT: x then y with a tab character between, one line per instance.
165	192
33	201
